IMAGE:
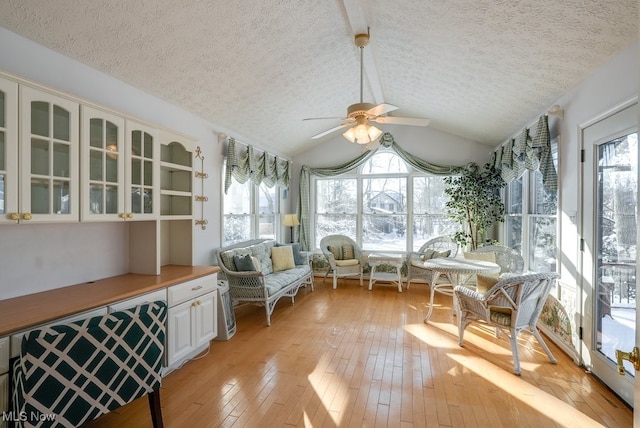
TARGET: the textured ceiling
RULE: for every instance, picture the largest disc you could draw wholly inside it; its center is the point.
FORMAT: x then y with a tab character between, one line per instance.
480	69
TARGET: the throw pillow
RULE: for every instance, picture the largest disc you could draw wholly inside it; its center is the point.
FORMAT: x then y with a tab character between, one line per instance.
485	257
298	259
336	251
282	258
348	253
433	254
484	283
256	264
244	263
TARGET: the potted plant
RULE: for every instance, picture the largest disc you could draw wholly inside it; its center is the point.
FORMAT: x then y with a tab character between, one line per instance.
474	202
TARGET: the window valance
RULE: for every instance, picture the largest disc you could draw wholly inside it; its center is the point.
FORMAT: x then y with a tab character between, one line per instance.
516	156
387	141
244	164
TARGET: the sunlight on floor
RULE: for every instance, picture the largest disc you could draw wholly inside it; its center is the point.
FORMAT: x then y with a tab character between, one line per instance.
446	336
319	381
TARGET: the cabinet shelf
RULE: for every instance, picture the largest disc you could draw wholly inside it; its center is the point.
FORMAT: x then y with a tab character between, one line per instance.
175	193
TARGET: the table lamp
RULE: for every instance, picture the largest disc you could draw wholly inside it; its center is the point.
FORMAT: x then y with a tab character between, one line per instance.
291	220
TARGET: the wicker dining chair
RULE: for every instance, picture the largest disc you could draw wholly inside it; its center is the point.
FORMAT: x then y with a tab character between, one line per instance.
509	260
512	305
434	247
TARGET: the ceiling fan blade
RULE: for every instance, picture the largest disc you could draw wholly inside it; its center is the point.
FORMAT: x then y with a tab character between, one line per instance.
329	131
415	121
381	109
323	118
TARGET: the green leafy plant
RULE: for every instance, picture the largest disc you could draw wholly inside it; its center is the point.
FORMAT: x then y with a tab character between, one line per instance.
474	202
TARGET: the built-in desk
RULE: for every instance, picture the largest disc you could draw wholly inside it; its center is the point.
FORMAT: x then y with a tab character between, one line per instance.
24	312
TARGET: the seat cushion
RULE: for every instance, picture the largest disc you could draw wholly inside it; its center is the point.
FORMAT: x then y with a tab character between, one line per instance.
276	281
500	316
349	262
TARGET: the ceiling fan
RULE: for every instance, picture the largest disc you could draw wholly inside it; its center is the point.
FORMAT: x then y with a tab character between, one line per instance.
361	114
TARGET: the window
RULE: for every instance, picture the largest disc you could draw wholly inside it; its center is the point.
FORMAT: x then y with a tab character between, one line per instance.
384	206
250	211
531	220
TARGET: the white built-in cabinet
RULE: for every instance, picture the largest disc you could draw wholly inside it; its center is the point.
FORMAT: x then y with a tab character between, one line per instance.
39	168
64	159
192	318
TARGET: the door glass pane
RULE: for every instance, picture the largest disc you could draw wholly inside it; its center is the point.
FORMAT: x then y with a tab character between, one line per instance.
111	168
148	146
61	124
2	110
95	133
147	201
3	153
95	165
2	180
95	195
61	197
39	157
136	143
40	118
616	224
61	160
39	196
136	200
148	173
111	200
136	172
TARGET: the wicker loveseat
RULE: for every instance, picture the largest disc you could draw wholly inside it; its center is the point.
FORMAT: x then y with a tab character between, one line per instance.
257	274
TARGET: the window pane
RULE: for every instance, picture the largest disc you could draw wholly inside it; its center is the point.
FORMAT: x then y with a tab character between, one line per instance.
542	252
428	226
331	224
267	207
514	197
336	196
544	201
384	196
513	226
237	200
236	228
384	163
384	232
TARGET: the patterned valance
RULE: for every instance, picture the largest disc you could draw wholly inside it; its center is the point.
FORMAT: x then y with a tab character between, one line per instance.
527	153
243	165
386	141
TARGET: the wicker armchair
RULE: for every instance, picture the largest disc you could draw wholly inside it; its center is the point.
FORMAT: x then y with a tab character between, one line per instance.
509	260
513	304
345	257
415	264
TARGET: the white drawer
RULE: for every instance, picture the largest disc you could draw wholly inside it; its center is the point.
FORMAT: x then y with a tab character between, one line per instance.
190	289
4	354
139	300
16	338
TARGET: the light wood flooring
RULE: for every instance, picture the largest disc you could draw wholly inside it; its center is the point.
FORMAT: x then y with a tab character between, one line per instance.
351	357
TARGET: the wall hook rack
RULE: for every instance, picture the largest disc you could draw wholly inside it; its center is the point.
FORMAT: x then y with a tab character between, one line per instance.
201	198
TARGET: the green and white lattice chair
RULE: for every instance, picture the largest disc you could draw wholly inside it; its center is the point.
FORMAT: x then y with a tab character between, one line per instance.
70	374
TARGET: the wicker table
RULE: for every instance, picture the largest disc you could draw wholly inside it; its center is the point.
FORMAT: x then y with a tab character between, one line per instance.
458	271
394	260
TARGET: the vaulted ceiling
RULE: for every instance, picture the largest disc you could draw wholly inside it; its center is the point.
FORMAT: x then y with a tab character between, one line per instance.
480	69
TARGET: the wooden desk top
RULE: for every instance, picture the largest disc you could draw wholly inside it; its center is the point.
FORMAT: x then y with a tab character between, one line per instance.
20	313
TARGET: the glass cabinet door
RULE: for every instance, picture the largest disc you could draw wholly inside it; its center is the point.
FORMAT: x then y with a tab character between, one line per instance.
8	151
49	186
142	172
102	165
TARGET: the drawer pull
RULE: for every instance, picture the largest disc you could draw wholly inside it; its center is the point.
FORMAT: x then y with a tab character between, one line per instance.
196	288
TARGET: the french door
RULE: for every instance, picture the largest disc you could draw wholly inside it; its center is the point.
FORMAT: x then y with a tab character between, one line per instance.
609	230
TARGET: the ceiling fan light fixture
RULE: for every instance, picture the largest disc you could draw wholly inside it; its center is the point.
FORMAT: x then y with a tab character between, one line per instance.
362	133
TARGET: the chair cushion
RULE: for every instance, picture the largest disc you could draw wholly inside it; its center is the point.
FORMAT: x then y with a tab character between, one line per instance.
485	257
500	316
485	282
349	262
244	263
282	258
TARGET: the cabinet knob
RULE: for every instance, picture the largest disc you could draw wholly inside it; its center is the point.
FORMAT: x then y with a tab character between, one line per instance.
129	215
14	216
27	216
122	215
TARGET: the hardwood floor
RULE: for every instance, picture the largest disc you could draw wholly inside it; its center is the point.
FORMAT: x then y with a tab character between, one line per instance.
356	358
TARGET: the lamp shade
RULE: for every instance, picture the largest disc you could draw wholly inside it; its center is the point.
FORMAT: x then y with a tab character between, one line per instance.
362	133
290	220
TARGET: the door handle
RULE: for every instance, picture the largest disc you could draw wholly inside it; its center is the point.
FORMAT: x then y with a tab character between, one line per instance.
633	357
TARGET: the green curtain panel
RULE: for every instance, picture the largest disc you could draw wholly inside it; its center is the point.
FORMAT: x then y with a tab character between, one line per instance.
244	164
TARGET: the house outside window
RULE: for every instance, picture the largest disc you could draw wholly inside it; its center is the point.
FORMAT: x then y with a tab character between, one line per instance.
250	211
383	206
